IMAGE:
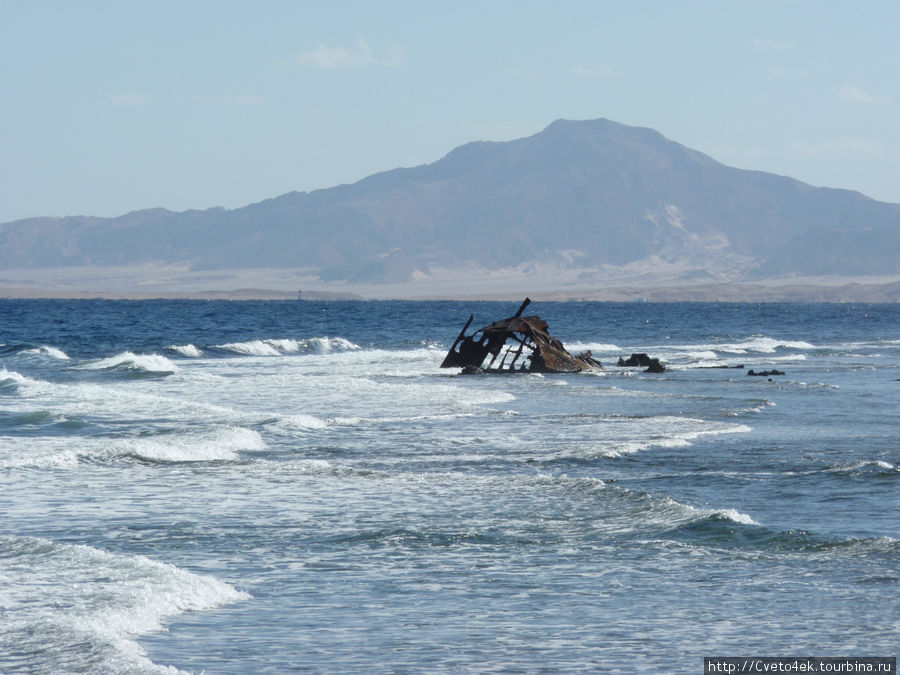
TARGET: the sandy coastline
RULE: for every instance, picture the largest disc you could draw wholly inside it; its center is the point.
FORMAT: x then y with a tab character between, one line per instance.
733	292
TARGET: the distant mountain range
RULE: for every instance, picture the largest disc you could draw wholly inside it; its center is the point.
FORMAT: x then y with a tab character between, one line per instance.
578	201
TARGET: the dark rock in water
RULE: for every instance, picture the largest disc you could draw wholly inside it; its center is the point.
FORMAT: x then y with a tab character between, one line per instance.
655	367
741	366
635	360
765	373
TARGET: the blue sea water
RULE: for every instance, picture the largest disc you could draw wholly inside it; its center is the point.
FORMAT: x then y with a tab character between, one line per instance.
232	487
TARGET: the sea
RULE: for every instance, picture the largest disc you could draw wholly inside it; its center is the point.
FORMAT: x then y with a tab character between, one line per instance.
297	486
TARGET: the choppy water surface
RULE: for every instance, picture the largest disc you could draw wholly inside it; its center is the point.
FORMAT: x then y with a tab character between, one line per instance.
265	486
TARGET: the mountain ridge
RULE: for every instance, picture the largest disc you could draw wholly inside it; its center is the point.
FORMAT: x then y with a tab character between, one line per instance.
587	197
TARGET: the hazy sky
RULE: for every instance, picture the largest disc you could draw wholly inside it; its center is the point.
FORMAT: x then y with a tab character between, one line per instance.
108	107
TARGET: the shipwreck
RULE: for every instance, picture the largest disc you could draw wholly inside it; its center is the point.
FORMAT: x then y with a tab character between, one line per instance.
525	344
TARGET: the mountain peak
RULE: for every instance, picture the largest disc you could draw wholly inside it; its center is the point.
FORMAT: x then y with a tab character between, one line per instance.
579	198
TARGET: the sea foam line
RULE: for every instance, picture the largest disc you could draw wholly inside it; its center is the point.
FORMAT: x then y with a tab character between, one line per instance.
278	347
222	444
669	432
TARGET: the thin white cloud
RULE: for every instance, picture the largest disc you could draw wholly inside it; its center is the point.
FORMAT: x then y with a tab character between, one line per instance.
127	99
771	45
856	95
333	58
596	70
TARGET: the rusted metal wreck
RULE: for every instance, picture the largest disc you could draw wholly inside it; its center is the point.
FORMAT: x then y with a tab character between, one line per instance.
525	344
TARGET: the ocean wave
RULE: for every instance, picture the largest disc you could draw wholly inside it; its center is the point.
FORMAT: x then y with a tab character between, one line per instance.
37	453
764	345
304	421
10	379
131	362
690	515
703	355
69	595
401	419
279	347
188	350
876	467
628	436
720	530
219	445
41	418
47	350
716	353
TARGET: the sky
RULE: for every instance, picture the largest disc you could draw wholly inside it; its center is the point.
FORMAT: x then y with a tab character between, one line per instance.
111	107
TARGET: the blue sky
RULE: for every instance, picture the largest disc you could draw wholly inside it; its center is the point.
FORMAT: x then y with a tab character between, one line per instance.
109	107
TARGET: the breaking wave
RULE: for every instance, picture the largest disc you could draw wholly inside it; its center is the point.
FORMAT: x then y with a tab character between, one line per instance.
129	362
185	350
219	445
92	605
763	344
47	350
278	347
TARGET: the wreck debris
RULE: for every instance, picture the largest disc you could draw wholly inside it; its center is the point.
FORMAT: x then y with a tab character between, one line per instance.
526	346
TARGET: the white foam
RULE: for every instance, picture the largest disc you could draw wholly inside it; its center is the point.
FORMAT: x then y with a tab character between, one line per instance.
765	403
703	356
186	350
766	345
41	452
594	347
712	351
284	345
72	593
280	346
737	516
251	348
665	432
863	464
305	421
728	514
18	378
219	445
151	363
326	345
48	351
485	396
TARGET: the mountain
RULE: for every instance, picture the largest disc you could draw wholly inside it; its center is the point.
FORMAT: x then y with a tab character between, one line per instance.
580	197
